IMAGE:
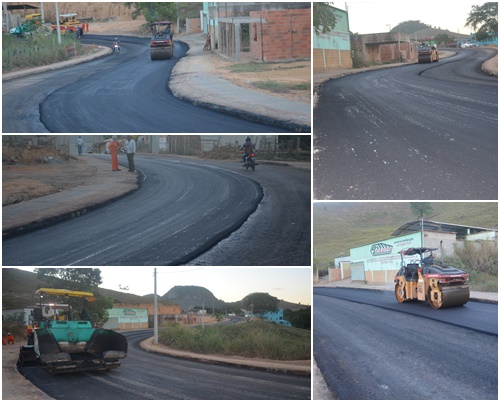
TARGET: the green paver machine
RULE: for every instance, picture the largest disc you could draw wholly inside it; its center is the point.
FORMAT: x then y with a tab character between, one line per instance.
64	345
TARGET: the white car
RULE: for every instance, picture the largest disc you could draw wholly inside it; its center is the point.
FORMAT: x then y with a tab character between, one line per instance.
468	44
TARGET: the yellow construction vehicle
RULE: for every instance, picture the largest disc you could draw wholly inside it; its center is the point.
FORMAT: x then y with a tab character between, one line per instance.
426	280
64	346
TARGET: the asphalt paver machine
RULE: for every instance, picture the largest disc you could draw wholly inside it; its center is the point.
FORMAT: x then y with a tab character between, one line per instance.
64	345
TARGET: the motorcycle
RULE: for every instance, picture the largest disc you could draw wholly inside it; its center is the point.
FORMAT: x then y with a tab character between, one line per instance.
116	49
250	161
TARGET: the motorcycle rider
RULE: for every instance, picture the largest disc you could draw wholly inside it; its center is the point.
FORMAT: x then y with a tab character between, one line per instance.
117	43
248	147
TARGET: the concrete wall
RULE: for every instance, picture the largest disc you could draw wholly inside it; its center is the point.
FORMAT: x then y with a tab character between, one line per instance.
328	59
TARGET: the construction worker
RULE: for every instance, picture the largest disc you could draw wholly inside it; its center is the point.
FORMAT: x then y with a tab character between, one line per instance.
10	339
114	147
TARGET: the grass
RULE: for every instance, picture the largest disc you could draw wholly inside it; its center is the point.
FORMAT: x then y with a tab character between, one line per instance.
282	87
257	67
35	50
254	339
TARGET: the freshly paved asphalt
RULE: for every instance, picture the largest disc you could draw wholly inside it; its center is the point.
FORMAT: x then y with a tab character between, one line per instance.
130	93
424	131
366	352
145	375
482	317
182	209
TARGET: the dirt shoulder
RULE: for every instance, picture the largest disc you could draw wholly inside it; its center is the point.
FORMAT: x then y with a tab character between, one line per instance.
14	385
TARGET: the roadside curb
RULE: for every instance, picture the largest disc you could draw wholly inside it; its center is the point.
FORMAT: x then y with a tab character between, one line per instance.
104	51
490	66
237	112
302	368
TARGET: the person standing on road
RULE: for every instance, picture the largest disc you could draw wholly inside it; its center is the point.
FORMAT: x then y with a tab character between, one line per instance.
79	145
131	148
114	146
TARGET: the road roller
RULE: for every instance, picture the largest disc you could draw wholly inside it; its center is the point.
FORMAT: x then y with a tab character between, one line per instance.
161	45
427	53
424	279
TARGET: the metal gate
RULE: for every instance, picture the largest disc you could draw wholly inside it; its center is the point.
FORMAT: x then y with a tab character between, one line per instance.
358	271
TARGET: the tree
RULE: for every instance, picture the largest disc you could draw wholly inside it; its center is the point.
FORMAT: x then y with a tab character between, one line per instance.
421	209
154	11
84	279
259	303
483	19
443	38
299	318
323	18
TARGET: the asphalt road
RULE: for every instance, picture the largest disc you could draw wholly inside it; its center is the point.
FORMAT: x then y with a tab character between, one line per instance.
145	375
114	94
366	352
182	209
422	131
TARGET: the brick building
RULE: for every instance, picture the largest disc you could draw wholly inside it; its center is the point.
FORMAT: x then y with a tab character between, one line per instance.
383	48
259	32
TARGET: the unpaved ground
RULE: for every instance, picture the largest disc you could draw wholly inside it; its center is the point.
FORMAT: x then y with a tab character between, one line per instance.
25	181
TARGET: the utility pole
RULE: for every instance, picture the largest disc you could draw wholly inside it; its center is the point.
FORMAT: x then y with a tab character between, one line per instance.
155	339
43	12
58	24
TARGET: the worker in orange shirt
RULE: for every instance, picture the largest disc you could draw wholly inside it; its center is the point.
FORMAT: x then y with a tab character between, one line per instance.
114	147
10	339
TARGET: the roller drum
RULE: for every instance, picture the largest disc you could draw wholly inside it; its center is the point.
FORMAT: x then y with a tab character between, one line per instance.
449	297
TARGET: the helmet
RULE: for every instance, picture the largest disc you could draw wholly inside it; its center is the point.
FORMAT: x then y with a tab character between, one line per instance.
248	139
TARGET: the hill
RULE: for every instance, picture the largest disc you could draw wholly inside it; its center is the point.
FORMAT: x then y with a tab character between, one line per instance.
19	287
340	226
189	297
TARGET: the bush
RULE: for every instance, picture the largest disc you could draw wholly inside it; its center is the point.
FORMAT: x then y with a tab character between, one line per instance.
34	50
480	261
252	339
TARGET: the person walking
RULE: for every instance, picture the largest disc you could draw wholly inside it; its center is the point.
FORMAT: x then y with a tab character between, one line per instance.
114	147
79	145
131	148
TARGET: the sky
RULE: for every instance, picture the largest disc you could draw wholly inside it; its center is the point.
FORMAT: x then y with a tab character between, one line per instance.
229	284
374	16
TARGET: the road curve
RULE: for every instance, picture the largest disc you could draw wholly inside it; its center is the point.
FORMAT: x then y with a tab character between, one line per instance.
145	375
366	352
114	94
422	131
182	209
